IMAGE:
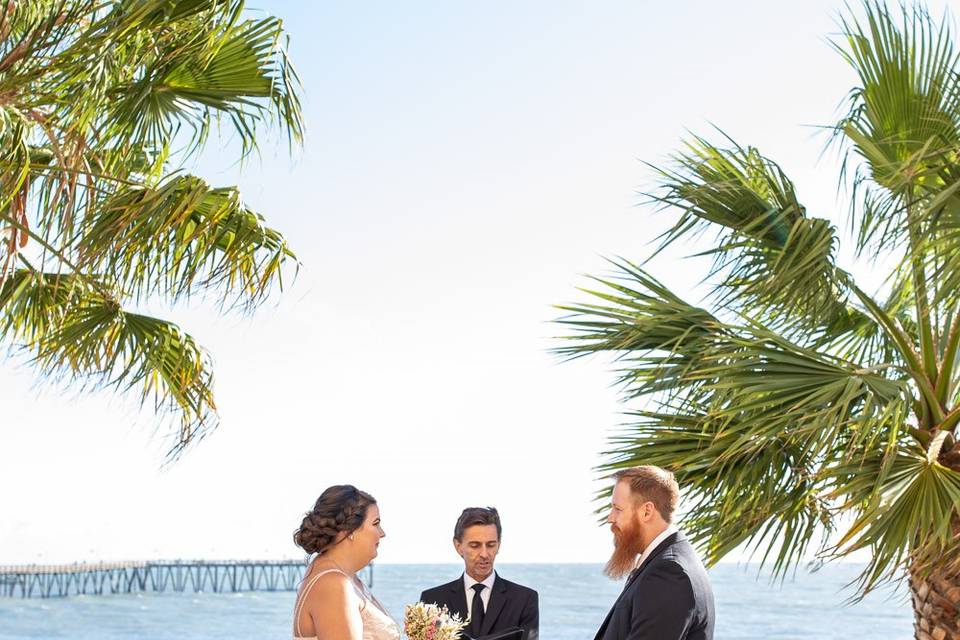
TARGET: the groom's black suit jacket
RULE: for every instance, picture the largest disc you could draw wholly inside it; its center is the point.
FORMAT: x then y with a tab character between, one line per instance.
668	597
511	605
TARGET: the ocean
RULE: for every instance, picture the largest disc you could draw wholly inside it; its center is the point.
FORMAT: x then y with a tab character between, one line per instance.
574	599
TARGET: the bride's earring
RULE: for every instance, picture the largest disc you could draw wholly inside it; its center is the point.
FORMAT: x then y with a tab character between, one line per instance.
350	536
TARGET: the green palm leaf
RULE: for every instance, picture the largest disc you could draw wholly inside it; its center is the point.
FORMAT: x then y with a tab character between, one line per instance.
906	508
180	237
801	413
96	214
79	336
770	259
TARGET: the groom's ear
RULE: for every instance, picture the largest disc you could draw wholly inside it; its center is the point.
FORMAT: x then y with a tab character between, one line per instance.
648	510
456	545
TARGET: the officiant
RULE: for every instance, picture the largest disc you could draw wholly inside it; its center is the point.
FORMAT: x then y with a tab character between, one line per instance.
493	605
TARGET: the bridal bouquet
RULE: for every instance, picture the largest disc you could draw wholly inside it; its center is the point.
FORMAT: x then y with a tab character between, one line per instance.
430	622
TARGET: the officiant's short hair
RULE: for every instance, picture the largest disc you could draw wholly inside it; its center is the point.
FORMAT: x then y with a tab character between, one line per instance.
473	516
654	484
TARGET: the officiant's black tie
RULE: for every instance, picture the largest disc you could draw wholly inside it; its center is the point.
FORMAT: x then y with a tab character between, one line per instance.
476	611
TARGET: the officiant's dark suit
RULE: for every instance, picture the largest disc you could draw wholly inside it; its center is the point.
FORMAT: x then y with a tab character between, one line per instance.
511	605
495	605
667	595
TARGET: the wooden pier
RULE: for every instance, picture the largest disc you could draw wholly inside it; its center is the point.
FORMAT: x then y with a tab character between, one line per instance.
57	581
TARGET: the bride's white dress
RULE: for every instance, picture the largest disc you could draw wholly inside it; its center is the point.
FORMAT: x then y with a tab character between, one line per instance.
377	623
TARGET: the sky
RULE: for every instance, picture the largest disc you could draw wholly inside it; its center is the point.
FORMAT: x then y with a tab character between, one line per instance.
465	166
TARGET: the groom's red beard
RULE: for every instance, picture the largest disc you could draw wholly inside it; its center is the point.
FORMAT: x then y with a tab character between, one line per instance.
627	545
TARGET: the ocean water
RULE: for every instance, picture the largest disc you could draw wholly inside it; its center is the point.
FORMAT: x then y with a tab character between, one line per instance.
574	599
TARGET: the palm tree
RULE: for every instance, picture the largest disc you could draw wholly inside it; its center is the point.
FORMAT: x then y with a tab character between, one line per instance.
101	104
801	412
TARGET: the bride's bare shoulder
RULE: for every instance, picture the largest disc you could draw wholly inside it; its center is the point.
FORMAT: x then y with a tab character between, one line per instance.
331	607
330	584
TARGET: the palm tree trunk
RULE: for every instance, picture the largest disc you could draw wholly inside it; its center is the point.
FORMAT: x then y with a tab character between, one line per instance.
936	601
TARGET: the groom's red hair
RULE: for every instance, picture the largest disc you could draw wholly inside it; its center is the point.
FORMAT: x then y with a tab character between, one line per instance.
655	484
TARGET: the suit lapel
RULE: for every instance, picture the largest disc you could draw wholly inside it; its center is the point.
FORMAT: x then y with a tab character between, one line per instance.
668	541
606	621
458	598
498	597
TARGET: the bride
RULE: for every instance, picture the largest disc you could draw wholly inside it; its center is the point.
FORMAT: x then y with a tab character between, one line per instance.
344	531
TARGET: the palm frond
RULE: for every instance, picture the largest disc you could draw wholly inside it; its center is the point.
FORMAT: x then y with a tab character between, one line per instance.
750	421
236	70
903	119
766	492
102	102
77	335
794	401
770	257
906	506
181	237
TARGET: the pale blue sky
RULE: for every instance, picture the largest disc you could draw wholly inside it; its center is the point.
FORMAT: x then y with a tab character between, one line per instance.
465	164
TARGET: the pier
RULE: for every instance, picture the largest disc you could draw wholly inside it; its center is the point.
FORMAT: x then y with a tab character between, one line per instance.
57	581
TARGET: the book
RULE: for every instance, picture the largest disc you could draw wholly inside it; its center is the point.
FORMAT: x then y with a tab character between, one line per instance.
516	633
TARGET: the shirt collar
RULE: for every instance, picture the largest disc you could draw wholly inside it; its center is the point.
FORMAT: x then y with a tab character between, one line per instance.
666	533
468	582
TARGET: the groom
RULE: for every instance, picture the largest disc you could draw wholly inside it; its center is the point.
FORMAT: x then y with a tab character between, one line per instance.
667	595
492	604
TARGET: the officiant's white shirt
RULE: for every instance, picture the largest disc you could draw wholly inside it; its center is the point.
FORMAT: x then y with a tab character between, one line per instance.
468	583
666	533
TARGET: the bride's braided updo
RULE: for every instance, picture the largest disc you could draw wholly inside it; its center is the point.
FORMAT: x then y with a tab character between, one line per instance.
339	508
